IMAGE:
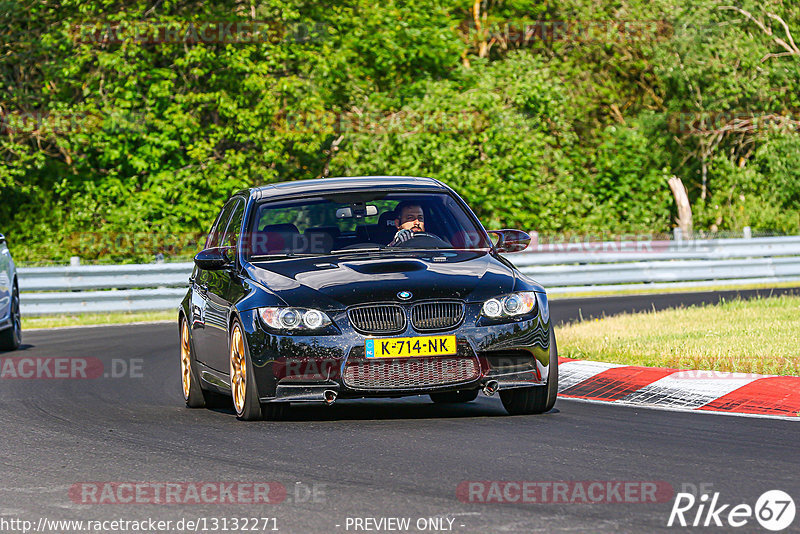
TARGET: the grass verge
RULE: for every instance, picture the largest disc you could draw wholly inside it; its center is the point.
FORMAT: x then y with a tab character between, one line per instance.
743	336
84	319
650	289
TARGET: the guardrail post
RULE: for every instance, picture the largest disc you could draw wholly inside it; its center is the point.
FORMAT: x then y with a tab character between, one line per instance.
748	233
74	261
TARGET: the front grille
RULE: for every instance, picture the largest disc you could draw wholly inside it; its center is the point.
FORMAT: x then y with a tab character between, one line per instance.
429	316
410	373
378	319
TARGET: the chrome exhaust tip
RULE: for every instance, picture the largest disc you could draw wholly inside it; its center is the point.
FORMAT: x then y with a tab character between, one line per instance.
491	388
329	396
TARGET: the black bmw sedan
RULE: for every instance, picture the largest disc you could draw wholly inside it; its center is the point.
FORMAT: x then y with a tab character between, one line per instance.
315	290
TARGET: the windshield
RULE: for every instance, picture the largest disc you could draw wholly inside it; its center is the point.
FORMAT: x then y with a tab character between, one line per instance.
373	221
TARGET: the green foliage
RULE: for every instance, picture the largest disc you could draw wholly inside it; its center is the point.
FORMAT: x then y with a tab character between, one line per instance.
629	176
494	132
763	193
102	140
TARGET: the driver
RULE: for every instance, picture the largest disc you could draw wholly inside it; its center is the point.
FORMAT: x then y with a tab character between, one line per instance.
410	220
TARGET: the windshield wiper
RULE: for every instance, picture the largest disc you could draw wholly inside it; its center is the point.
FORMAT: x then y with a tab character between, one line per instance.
288	255
373	248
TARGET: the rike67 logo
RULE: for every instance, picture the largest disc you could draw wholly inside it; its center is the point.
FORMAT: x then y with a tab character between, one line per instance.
774	510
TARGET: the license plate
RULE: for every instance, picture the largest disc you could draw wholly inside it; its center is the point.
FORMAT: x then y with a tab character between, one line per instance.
409	347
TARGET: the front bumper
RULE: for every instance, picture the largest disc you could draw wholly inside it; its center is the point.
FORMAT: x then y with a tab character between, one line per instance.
301	368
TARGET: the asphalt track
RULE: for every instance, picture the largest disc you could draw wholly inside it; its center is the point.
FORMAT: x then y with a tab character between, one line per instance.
365	458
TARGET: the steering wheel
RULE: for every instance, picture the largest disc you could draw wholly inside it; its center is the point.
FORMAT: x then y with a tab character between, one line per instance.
424	240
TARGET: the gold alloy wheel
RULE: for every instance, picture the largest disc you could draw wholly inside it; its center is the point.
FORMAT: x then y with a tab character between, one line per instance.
238	369
186	363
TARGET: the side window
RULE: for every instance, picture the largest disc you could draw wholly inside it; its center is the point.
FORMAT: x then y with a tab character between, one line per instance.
217	231
231	237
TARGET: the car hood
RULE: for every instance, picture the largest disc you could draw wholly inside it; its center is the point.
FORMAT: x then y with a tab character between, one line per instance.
338	281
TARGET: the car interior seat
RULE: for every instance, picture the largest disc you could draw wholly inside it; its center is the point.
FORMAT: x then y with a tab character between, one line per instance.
320	239
277	239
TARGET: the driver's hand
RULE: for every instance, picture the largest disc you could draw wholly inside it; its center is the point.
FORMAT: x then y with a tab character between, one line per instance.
401	237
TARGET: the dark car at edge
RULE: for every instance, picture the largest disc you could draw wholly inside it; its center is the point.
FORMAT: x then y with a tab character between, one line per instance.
10	321
336	288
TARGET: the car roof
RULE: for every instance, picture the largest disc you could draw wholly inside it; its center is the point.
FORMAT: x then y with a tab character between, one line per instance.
346	183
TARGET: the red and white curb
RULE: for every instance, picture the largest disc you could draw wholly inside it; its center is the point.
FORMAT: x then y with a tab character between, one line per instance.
675	389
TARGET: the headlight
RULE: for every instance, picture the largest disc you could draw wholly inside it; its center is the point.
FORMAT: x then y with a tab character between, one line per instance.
544	307
512	305
294	318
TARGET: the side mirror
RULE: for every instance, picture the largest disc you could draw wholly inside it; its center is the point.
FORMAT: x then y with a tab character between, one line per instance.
213	259
511	240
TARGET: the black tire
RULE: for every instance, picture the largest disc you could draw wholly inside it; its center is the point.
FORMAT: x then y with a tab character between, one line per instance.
193	393
243	384
453	397
11	338
537	399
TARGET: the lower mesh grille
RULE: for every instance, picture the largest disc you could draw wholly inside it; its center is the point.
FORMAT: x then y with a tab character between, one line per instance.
410	373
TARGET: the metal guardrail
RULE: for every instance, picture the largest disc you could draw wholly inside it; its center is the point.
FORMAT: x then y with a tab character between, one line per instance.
92	277
79	289
561	268
587	267
663	271
101	301
629	251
